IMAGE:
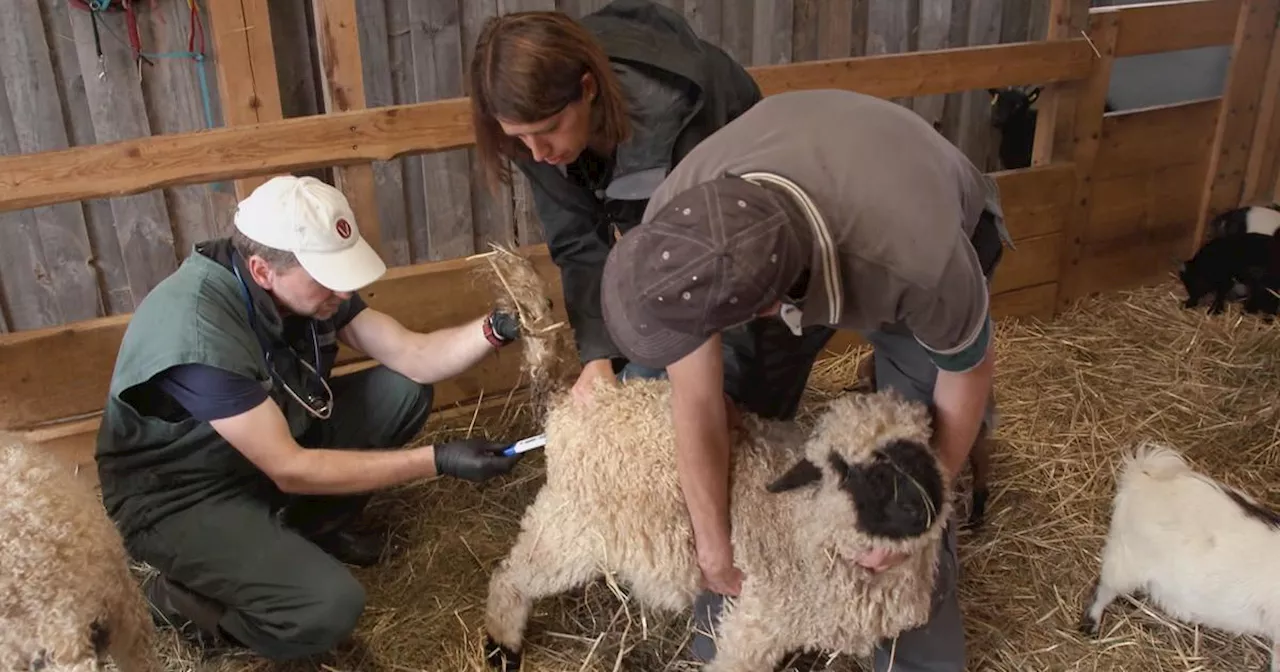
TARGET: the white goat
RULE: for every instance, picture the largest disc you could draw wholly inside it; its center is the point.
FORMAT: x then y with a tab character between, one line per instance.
66	595
1202	551
802	508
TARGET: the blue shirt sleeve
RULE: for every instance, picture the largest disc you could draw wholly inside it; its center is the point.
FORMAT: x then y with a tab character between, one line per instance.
209	393
348	311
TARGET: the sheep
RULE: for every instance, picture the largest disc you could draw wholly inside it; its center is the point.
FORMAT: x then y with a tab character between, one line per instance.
802	509
1199	549
979	455
68	596
1260	219
1245	258
804	504
1014	117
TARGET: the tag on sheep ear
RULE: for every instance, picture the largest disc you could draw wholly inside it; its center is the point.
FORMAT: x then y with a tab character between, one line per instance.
801	474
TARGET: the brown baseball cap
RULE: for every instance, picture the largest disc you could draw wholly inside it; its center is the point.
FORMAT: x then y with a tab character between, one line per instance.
712	258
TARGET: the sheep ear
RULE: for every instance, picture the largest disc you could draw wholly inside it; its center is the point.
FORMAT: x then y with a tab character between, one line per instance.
994	92
802	473
1035	93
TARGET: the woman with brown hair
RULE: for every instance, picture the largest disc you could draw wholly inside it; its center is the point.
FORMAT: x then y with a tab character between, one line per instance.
595	112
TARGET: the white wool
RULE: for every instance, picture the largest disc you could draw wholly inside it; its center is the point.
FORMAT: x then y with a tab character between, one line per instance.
612	503
1179	537
1262	220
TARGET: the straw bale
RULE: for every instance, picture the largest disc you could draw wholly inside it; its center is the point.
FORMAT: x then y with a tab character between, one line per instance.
1074	394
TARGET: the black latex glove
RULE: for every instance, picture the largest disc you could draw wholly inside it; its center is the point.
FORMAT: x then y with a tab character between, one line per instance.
473	459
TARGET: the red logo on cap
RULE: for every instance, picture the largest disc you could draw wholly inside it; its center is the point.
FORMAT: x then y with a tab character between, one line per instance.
344	228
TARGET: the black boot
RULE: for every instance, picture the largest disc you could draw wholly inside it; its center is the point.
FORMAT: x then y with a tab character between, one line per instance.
352	548
193	616
330	523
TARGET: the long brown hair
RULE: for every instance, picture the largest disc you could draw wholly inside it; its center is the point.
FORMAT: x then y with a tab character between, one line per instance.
528	66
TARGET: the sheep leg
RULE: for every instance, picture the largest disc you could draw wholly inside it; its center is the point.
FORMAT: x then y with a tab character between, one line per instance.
745	643
132	632
980	460
548	558
1115	579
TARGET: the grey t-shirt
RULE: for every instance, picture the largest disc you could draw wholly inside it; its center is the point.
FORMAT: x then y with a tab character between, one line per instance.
895	204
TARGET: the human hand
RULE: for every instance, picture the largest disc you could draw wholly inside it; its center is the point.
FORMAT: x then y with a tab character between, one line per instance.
879	559
473	459
719	574
504	326
596	369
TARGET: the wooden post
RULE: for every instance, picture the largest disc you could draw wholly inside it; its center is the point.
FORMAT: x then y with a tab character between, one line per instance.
1263	150
246	66
1090	102
338	43
1054	137
1255	27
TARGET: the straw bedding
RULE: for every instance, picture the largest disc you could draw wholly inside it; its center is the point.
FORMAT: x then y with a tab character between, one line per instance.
1074	393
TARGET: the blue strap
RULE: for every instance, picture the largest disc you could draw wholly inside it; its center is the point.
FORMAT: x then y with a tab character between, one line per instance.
206	100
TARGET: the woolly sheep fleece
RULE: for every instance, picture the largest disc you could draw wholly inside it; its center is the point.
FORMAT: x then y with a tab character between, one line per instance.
64	574
613	502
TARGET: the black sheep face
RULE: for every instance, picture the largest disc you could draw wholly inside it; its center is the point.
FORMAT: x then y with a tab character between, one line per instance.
897	493
1010	102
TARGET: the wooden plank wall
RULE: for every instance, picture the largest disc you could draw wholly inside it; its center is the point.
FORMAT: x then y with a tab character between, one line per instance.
75	261
437	207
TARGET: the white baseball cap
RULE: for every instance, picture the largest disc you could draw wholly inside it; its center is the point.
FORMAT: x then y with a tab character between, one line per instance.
312	220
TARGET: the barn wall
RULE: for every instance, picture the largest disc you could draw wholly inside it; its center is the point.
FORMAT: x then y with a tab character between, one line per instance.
85	259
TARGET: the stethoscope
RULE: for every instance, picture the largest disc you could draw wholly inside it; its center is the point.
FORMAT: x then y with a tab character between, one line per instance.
325	406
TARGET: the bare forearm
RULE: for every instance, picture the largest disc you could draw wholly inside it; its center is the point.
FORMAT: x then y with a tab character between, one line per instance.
702	463
960	400
445	353
321	471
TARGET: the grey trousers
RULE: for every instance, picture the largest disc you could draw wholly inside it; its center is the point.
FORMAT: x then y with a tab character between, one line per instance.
284	597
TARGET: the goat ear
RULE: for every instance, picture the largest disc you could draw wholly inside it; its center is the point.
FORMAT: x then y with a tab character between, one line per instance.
800	474
1035	93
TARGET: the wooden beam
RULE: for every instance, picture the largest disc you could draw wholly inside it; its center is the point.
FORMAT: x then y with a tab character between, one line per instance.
1034	262
1036	200
1156	199
1138	142
1067	19
383	133
342	83
1265	147
73	441
246	66
1173	26
933	72
1255	28
1090	103
52	374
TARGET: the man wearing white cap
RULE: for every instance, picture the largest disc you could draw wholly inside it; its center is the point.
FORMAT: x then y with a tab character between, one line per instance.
229	459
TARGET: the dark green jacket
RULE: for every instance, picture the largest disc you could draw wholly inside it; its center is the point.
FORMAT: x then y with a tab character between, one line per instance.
639	36
153	458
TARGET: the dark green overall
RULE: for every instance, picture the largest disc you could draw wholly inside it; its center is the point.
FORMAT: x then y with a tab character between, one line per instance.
194	507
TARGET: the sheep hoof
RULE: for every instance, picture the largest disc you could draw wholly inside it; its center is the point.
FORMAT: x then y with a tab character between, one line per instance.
1088	626
977	516
500	657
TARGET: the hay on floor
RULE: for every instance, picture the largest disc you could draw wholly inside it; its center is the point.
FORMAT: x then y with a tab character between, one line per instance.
1074	394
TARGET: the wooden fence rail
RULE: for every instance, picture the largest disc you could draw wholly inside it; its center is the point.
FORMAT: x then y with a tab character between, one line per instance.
382	133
